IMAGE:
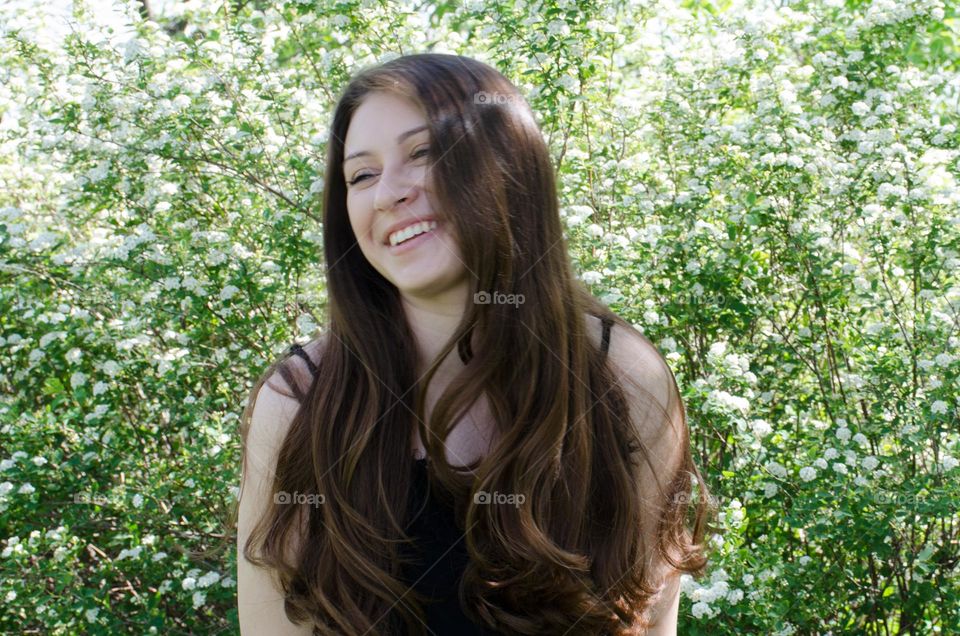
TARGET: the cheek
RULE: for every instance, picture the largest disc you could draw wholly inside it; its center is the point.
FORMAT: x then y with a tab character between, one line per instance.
360	220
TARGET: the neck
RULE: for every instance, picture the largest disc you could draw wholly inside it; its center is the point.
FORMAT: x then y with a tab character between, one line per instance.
433	321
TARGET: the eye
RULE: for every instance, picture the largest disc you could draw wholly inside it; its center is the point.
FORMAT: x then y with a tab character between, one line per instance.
418	154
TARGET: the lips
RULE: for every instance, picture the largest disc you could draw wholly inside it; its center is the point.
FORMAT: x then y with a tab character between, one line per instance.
412	243
405	224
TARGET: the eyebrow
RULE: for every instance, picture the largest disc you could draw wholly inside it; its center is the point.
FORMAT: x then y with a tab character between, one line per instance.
400	139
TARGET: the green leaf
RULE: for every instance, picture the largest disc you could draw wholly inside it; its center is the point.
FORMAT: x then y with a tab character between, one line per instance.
52	386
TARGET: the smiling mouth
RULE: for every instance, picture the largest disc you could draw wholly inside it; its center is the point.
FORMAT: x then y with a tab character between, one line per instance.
412	243
411	233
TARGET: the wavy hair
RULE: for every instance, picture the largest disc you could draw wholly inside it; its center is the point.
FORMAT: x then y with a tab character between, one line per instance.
573	560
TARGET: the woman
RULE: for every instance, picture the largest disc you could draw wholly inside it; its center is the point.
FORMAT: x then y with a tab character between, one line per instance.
535	480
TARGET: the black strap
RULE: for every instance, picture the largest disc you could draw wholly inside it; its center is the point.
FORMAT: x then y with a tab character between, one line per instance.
605	343
297	349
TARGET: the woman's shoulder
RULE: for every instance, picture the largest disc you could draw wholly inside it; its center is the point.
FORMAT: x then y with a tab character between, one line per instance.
637	359
296	372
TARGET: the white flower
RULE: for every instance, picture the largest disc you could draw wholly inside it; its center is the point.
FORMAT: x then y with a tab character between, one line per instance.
131	553
189	583
137	500
770	489
761	428
594	230
26	489
870	462
732	402
581	211
777	470
949	462
77	379
808	473
939	407
717	349
700	609
228	292
39	461
830	453
208	579
843	434
6	464
943	359
91	614
11	595
840	468
199	598
159	556
860	109
592	277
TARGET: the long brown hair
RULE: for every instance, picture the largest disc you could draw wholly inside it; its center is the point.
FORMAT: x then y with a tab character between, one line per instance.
572	558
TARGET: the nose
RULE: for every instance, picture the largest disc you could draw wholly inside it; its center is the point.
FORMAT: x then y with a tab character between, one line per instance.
393	187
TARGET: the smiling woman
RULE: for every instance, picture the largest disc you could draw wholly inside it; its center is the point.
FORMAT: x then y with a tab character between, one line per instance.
539	480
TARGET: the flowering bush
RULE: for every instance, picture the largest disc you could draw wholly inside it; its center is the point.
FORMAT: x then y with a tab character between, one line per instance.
769	193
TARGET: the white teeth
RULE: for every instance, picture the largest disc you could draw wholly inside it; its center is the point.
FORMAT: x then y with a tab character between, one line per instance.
410	231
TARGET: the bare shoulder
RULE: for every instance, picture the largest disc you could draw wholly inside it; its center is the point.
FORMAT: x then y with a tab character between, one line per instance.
295	374
651	391
638	362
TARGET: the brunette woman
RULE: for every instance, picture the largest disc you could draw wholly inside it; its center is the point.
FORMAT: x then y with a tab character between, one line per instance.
475	444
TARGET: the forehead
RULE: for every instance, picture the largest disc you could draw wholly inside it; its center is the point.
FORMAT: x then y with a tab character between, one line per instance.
379	119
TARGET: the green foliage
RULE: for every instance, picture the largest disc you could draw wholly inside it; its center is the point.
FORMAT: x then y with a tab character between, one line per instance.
770	194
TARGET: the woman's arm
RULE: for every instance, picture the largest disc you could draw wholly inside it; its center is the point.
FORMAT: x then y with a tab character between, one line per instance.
260	601
664	613
656	412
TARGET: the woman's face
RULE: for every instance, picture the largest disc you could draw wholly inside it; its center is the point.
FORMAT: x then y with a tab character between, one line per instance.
387	174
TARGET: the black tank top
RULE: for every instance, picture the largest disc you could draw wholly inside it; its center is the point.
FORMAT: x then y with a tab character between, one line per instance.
439	546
